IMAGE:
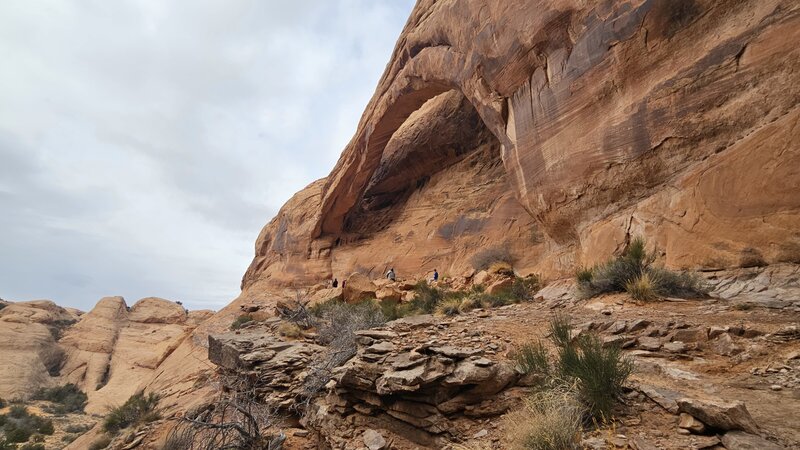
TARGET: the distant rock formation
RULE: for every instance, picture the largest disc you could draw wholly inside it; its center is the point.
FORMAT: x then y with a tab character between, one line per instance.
29	353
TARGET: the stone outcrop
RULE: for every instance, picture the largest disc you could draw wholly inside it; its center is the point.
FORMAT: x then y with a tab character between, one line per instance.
28	350
114	349
562	128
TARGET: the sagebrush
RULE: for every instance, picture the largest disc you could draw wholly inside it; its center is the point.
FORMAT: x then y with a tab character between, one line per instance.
139	408
634	272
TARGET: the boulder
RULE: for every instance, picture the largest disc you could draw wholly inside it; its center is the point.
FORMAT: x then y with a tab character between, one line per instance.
719	415
358	288
481	277
724	345
500	286
374	440
389	294
687	422
691	335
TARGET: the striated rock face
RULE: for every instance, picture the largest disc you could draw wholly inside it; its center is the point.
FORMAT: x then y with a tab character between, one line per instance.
112	350
560	128
28	350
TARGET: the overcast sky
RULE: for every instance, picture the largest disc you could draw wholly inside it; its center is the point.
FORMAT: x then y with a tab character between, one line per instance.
144	143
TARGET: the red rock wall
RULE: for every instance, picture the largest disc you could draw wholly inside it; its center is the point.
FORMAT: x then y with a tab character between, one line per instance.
673	119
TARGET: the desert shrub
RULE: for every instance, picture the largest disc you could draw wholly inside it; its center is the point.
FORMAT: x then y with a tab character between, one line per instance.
139	408
523	288
240	321
501	267
532	358
627	272
289	330
468	304
390	309
18	411
69	398
642	288
338	323
484	258
100	443
57	327
5	445
549	420
751	257
449	307
425	299
77	429
595	374
584	275
598	373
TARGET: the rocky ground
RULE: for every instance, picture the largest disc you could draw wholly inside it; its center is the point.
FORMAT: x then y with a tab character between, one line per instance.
718	372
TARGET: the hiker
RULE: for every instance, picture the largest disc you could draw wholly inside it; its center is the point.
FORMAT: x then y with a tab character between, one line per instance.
390	274
435	275
335	282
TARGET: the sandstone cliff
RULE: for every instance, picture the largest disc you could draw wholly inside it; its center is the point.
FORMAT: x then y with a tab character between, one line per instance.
559	129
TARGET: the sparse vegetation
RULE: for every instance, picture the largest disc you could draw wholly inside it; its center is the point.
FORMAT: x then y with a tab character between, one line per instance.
139	408
523	288
290	330
593	373
57	327
19	425
484	258
550	420
236	420
449	307
33	446
240	321
633	272
532	358
501	267
338	322
68	398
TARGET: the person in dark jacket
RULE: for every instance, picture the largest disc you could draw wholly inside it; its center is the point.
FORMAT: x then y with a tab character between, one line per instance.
435	275
335	282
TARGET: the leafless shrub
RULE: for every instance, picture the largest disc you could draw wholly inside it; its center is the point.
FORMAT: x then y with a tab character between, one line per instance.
336	330
235	421
296	312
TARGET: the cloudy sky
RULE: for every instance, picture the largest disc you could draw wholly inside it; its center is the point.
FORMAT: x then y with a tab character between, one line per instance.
144	143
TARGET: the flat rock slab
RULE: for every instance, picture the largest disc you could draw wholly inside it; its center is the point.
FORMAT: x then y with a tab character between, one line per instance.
719	415
739	440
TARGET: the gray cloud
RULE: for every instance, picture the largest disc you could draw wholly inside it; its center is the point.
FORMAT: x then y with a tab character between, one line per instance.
143	144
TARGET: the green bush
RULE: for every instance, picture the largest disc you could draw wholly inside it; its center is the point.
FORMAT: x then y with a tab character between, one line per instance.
425	300
523	289
595	374
4	444
532	358
69	398
77	429
633	272
240	321
598	373
100	443
139	408
18	411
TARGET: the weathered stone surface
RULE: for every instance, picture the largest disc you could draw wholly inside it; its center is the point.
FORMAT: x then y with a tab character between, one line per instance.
507	76
374	441
358	288
687	422
719	415
738	440
28	350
